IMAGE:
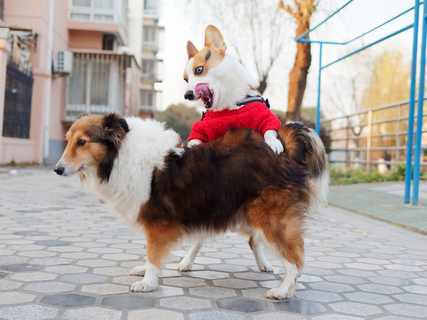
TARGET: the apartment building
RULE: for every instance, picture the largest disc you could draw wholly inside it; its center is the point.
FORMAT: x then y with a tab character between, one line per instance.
74	57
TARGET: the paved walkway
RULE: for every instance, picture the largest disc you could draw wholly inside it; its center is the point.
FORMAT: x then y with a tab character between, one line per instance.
64	256
383	201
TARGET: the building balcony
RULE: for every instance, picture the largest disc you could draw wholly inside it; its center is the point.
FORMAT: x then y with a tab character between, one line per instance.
94	15
96	85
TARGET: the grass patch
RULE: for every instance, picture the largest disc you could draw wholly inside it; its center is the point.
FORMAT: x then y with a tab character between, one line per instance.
20	165
353	176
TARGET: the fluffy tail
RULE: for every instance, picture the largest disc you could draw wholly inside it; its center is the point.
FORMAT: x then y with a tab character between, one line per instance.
304	146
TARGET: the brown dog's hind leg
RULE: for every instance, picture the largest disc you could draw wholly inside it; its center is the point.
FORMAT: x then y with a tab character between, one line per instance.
160	238
281	223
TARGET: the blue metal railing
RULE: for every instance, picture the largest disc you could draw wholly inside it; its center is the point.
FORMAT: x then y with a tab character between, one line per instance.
410	138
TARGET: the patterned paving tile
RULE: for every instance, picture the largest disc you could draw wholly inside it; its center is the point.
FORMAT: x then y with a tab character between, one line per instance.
105	288
28	312
184	282
10	298
20	267
93	313
235	283
158	314
242	305
408	310
128	301
216	315
212	292
50	287
368	297
83	278
355	308
185	303
319	296
6	285
163	292
300	306
68	300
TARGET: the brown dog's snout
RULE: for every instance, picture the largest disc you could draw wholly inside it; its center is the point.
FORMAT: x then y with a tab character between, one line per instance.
59	170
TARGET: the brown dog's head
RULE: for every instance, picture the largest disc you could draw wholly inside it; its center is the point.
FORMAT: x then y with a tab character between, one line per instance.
92	142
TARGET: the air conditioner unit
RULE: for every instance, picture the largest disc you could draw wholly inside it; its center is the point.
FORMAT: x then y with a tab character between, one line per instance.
63	62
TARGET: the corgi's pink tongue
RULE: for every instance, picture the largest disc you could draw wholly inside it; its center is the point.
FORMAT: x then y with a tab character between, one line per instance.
203	90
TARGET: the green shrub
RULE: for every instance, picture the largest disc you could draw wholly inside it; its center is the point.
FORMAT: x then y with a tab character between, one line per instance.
353	176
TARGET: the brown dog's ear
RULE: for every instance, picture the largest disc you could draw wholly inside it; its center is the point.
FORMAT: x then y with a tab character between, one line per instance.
191	50
115	128
214	39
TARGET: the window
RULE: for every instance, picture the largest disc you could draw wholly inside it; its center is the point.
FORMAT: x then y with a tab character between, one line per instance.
147	98
108	42
148	68
1	9
149	34
81	3
95	84
150	4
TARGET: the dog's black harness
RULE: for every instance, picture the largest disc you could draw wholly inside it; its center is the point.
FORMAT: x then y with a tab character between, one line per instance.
246	101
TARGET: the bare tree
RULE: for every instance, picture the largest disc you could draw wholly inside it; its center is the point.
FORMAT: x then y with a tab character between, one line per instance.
256	30
301	11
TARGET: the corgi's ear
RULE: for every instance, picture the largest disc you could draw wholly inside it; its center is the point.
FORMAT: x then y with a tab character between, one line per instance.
214	40
191	50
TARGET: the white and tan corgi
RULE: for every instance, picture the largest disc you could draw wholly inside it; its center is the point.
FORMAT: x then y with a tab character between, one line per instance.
227	91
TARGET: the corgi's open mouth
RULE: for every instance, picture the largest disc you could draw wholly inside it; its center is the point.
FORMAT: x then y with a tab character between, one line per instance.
206	94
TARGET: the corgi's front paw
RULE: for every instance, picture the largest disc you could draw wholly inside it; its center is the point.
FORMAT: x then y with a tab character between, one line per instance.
270	137
194	142
275	145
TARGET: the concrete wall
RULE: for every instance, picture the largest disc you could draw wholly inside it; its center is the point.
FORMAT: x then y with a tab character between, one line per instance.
35	14
85	39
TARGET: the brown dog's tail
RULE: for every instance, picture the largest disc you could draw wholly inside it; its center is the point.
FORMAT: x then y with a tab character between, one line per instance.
303	146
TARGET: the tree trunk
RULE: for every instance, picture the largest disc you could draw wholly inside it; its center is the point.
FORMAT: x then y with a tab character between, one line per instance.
262	85
298	74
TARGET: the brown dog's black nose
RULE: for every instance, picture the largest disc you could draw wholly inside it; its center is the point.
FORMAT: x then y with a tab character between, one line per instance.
59	170
189	95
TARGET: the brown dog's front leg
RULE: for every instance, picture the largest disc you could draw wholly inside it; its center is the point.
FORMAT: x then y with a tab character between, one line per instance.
160	238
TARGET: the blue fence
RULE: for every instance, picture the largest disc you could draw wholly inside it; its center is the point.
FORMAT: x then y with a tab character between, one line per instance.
418	136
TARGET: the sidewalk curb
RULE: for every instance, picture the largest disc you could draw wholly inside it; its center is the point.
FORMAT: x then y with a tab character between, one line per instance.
404	226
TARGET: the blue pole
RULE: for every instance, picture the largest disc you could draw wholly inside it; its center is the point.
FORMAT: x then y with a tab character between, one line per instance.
417	164
410	136
318	93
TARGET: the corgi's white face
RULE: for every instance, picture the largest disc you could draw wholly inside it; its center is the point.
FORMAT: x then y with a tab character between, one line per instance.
215	78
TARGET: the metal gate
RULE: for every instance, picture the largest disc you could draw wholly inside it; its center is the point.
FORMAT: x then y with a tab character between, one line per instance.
17	104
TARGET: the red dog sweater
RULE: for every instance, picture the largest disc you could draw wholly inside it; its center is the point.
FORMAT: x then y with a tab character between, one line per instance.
253	115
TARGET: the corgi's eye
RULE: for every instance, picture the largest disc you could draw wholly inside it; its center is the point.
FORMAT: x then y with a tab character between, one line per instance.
186	80
198	70
81	142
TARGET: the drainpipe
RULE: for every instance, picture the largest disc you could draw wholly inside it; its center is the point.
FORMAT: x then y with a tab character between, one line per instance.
48	82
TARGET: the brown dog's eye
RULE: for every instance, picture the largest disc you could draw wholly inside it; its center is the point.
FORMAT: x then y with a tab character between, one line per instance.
81	142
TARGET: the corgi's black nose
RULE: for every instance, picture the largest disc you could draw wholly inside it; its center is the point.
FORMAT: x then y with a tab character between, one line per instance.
59	170
189	95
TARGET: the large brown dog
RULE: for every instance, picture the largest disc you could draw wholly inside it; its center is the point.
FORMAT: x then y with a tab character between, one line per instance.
235	182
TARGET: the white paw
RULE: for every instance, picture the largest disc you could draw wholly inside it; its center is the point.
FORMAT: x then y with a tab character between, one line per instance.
265	267
279	294
144	286
185	265
138	271
275	145
193	143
